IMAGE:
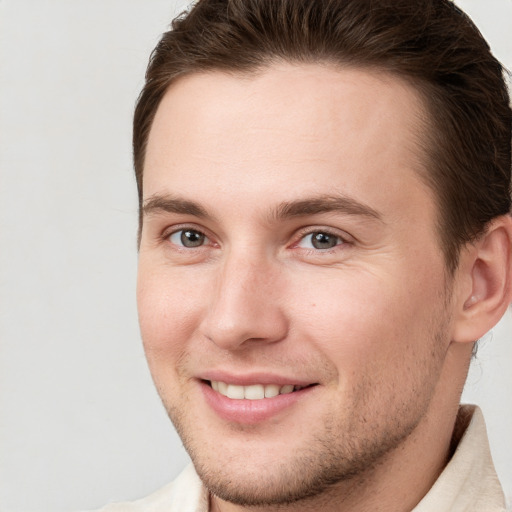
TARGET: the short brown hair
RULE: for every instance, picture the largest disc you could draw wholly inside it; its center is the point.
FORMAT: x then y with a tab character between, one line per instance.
430	43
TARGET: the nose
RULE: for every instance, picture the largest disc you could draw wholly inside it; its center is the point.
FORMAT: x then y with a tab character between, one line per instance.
245	306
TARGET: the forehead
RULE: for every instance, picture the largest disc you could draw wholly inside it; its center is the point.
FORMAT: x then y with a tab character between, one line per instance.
290	129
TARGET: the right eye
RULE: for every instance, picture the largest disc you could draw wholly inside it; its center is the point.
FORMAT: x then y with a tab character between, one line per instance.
189	238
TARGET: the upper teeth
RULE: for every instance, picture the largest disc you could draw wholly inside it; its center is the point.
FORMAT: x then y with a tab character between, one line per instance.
253	392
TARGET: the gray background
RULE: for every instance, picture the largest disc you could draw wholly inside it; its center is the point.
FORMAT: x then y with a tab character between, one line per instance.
80	423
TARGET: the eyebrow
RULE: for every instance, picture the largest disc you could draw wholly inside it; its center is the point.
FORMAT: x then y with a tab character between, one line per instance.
285	210
170	204
325	204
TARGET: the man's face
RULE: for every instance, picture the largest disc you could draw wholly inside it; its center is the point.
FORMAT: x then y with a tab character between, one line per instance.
289	246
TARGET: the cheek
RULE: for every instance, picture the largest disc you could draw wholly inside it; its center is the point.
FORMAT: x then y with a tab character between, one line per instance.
355	318
169	310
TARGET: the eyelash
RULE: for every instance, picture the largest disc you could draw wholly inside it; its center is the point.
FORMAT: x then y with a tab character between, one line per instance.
185	230
302	235
310	232
177	230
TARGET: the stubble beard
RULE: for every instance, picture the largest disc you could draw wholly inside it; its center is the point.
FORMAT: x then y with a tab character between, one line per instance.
337	458
318	470
341	455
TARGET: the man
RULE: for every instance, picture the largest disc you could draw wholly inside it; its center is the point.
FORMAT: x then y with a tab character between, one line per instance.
325	232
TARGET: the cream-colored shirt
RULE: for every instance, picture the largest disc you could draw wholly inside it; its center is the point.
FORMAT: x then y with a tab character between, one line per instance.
467	484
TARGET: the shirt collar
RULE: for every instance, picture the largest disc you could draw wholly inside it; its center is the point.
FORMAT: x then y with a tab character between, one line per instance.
469	482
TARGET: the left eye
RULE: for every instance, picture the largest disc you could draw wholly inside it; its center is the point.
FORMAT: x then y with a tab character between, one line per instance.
320	240
189	238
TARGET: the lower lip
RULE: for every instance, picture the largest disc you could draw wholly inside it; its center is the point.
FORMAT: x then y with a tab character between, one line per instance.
249	412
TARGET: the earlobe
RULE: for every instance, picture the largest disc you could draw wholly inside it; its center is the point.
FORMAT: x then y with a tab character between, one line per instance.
486	268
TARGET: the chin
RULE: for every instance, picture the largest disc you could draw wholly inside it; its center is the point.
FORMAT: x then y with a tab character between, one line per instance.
260	472
281	484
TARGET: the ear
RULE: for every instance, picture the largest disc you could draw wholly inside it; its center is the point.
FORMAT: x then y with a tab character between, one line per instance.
484	280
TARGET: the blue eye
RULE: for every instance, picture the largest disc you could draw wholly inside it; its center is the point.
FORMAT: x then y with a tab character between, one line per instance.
320	240
189	238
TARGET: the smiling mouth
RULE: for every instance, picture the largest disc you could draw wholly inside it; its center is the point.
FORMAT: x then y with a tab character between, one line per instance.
254	391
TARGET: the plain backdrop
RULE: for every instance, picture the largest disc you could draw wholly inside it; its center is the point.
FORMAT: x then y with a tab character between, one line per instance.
80	422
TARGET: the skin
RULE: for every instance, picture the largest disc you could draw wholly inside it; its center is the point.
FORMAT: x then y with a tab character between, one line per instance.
372	321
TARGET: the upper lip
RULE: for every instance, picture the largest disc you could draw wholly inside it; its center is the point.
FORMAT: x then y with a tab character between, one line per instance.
248	379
